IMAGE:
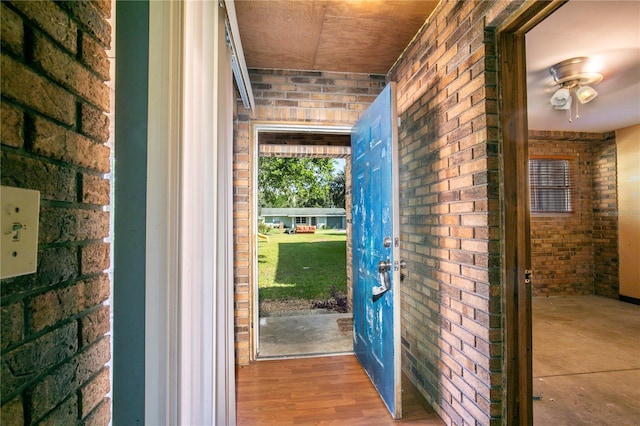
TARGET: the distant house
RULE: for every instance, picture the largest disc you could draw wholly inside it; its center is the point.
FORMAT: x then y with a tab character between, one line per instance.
333	218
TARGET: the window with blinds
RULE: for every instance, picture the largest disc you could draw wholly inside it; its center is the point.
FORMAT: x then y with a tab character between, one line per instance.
552	184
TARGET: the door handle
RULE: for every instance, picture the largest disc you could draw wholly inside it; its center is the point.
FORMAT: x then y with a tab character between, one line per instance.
384	278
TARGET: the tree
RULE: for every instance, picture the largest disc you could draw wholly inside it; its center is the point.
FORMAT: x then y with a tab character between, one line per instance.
294	182
338	189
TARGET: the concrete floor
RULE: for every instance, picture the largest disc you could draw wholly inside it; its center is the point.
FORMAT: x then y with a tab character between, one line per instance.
303	335
586	361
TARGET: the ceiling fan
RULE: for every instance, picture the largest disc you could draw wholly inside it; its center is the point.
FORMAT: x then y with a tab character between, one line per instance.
575	80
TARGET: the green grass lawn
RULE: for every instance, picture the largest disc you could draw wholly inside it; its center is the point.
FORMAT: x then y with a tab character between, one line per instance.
302	266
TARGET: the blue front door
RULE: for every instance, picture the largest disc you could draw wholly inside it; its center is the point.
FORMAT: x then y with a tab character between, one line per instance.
375	242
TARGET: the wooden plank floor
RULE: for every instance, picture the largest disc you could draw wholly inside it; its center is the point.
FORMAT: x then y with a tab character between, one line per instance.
319	391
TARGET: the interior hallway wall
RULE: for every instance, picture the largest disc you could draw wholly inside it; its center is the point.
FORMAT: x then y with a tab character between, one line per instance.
450	211
577	253
292	97
54	132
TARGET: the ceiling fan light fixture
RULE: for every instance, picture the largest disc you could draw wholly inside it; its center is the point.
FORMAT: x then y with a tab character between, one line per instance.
560	98
586	94
562	104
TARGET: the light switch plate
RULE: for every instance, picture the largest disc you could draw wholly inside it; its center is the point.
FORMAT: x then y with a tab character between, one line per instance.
19	220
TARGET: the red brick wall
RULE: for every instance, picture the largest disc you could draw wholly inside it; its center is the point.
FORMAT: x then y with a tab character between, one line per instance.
577	253
450	213
242	182
54	130
605	218
285	96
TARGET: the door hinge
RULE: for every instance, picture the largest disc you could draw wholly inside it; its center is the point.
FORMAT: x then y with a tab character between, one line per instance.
527	276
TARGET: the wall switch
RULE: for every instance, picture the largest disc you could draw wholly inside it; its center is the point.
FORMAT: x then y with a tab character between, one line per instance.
19	219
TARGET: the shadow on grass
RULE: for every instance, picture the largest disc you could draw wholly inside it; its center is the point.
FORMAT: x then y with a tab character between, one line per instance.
332	232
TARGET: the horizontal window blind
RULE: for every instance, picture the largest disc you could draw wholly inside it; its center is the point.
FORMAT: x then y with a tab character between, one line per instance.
552	184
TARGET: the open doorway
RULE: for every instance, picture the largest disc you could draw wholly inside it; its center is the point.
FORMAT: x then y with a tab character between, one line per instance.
585	367
518	75
301	300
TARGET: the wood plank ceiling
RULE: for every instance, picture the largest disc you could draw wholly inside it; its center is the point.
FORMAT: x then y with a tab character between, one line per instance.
360	36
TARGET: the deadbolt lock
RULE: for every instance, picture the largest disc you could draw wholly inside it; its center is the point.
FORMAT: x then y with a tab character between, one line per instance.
399	264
